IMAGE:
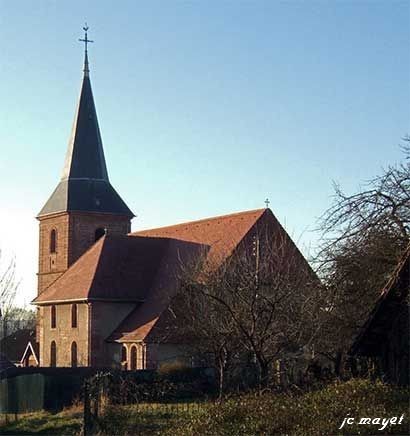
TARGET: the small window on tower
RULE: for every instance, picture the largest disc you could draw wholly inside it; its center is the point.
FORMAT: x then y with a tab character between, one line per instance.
53	241
74	316
53	317
100	232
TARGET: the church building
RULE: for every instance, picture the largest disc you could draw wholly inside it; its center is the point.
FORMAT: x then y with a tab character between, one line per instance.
103	291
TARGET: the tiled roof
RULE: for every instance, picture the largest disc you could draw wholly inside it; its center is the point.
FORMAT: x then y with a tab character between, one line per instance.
219	235
139	323
222	233
115	268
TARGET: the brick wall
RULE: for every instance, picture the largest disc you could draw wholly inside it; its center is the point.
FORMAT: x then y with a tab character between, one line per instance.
75	235
52	265
83	228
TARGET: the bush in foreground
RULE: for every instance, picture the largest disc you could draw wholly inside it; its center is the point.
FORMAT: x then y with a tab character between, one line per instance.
321	412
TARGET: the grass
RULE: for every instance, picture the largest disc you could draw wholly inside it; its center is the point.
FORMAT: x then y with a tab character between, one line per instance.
67	422
315	413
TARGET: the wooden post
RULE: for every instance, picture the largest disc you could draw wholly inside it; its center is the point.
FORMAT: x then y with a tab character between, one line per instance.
87	412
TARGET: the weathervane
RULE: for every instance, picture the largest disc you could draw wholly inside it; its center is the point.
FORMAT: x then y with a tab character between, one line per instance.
267	202
86	41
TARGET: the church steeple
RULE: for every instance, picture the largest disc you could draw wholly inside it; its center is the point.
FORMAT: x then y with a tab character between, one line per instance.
84	184
84	205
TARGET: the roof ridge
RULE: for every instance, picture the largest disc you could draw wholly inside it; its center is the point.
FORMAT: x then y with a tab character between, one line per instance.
202	220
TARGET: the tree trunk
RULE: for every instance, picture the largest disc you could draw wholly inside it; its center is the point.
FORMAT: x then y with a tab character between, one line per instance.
338	363
87	425
263	373
221	371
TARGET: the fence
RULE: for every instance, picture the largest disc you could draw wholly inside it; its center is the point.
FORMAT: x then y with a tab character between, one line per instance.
25	390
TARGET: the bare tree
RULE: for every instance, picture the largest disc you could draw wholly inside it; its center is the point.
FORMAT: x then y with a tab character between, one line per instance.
363	237
8	289
383	205
264	298
204	326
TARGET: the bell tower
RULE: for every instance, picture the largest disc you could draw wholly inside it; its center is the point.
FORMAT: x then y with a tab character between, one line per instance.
84	205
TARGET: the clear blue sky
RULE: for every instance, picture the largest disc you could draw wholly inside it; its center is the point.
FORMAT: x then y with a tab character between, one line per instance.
205	107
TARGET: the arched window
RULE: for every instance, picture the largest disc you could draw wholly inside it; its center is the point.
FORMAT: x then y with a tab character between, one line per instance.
133	358
53	317
74	354
74	315
100	232
124	357
53	241
53	354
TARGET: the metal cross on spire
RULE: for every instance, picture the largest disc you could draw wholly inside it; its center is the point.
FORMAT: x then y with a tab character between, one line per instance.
86	41
267	203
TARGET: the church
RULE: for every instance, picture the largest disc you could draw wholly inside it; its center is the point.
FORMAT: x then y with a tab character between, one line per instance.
103	291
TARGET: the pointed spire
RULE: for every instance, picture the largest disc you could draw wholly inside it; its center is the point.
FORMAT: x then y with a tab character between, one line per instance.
84	184
85	155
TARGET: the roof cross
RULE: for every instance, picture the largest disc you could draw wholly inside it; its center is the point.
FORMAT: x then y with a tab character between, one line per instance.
86	41
267	202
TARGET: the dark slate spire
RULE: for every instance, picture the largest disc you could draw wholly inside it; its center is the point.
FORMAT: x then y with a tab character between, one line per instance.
84	184
85	154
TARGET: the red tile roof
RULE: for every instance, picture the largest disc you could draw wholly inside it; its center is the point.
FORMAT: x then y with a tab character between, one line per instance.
115	268
140	322
220	235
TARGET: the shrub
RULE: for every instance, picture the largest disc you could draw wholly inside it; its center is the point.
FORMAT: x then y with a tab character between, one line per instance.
176	371
320	412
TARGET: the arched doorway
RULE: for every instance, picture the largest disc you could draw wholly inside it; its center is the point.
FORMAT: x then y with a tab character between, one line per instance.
53	354
133	358
74	354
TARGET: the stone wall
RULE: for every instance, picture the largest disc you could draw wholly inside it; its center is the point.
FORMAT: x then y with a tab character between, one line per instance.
64	334
105	317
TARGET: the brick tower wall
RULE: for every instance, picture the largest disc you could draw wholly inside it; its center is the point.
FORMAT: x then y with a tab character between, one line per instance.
75	235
